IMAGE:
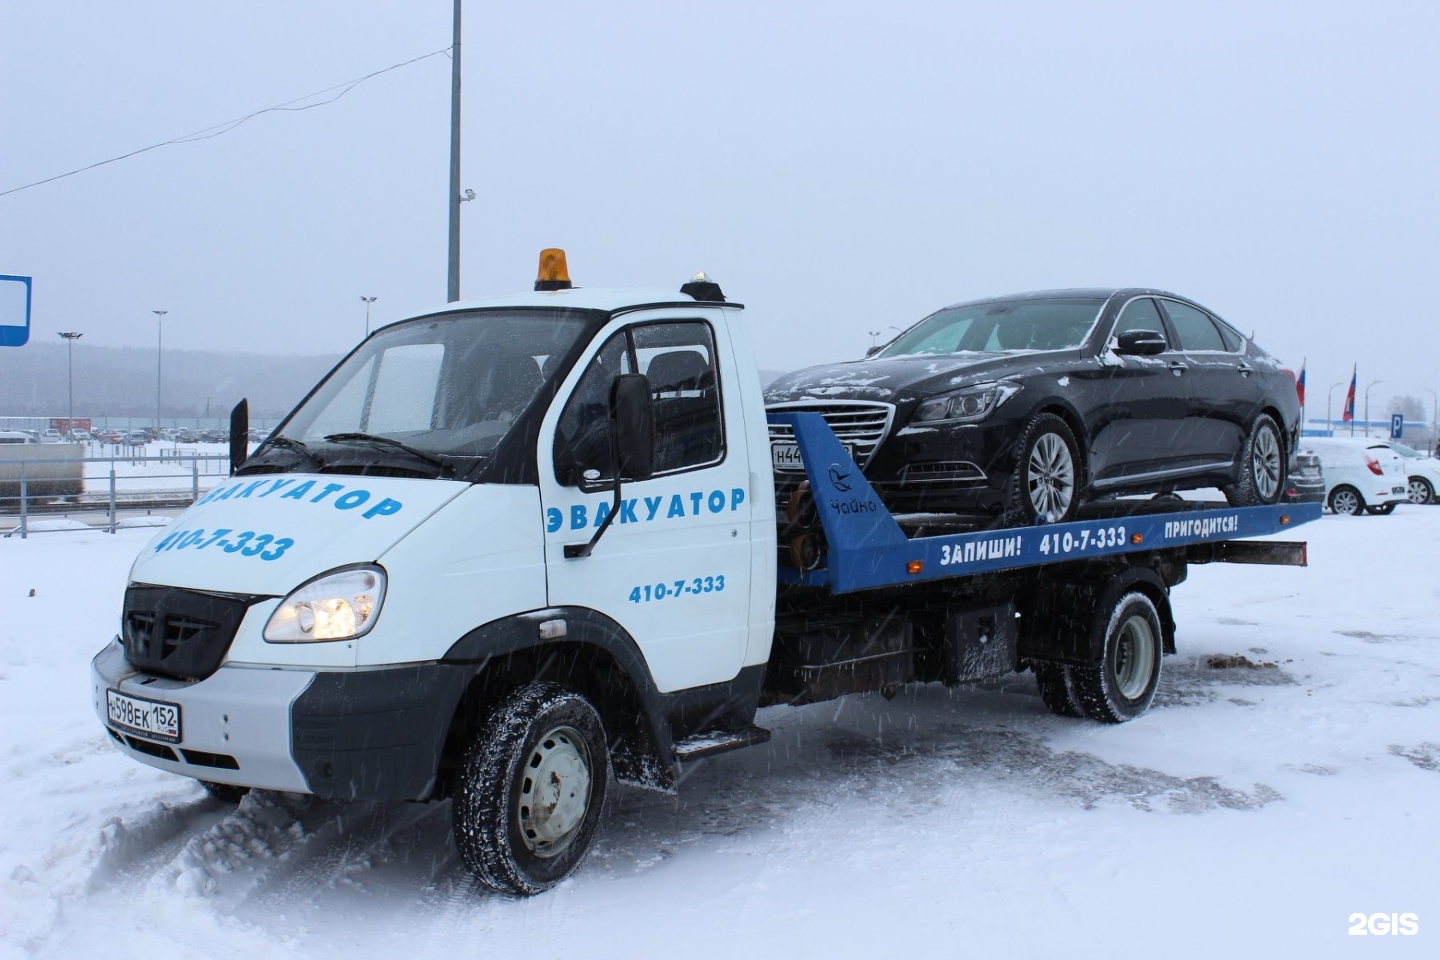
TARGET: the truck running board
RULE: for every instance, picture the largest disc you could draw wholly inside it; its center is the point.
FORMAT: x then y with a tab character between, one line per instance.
708	744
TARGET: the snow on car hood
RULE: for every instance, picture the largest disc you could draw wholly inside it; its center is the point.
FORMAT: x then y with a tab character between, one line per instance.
265	535
897	378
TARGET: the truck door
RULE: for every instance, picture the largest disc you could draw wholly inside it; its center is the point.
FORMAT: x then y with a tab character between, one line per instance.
674	567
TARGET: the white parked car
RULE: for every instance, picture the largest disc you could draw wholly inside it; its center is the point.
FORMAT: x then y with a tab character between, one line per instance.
51	436
1422	472
1359	479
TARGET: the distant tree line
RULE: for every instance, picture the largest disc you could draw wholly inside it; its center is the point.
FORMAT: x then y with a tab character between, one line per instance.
120	381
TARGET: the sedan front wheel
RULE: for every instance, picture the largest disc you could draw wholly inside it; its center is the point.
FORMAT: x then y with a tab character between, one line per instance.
1047	473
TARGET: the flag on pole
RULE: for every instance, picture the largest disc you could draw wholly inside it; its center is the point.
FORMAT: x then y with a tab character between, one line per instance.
1349	415
1300	384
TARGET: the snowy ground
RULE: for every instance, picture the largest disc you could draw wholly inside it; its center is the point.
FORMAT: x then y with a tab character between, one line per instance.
1249	814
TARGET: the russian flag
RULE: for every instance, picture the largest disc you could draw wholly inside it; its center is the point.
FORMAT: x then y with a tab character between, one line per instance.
1300	384
1350	398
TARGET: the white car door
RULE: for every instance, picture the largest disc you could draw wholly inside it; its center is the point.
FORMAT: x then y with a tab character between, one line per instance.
674	565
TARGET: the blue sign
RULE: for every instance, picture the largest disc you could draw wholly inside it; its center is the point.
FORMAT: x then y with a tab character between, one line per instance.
1397	425
14	311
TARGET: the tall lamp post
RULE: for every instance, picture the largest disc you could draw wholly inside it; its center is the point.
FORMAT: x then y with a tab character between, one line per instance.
1367	405
159	327
70	338
1329	423
368	301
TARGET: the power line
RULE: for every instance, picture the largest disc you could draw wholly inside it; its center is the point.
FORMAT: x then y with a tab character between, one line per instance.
227	126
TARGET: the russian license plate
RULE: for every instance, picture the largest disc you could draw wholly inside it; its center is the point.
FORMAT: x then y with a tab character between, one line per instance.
786	456
1397	489
148	718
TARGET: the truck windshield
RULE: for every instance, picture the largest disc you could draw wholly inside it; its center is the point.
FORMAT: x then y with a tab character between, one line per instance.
427	390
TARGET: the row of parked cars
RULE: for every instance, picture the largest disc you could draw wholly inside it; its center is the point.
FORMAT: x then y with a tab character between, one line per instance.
1363	475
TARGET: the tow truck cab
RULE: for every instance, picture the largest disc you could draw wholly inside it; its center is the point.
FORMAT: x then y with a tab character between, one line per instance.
509	546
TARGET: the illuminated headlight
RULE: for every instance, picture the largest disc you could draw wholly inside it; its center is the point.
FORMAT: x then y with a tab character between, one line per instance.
337	606
967	405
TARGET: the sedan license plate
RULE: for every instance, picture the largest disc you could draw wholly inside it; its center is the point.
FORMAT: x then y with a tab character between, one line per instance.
148	718
786	456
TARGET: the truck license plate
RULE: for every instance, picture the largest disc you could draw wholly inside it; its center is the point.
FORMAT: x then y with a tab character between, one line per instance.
148	718
786	456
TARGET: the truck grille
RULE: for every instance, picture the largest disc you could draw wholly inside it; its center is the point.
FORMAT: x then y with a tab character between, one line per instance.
860	424
179	633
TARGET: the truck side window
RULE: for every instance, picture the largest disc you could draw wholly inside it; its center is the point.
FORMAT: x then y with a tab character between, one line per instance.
582	439
679	360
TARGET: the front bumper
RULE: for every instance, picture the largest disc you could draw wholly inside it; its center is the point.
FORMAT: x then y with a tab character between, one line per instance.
353	734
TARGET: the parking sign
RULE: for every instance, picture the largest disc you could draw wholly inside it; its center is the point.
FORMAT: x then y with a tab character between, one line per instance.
1397	425
14	311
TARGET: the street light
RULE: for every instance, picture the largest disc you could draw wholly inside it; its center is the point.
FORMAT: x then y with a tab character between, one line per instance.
368	301
1330	424
159	325
1367	405
70	338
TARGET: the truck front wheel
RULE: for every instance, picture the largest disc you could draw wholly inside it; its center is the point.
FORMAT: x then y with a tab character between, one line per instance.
1121	686
532	789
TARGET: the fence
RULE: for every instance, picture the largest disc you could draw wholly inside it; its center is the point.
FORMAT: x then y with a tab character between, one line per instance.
128	479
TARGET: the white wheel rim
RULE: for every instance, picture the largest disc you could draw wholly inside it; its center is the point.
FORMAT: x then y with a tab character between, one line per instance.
1344	502
1051	476
1265	463
554	791
1419	493
1134	657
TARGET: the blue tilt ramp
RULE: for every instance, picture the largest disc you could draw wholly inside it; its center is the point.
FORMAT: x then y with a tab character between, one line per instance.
867	549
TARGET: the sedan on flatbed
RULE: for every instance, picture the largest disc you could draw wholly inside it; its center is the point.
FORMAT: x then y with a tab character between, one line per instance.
1022	407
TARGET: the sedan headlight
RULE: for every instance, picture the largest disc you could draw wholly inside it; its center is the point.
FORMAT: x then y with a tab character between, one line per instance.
968	405
339	605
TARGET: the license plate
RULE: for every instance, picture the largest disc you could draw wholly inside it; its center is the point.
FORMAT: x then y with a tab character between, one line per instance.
148	718
786	456
1397	489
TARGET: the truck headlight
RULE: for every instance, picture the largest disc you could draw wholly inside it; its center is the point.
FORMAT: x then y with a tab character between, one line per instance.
967	405
340	605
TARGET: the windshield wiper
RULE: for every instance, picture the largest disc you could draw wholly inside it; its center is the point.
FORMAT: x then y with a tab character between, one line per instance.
380	441
279	440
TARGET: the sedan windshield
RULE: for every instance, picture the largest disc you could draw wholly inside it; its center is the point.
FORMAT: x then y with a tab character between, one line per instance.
1000	326
446	386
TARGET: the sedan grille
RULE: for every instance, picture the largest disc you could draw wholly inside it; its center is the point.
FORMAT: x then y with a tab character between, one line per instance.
179	633
858	424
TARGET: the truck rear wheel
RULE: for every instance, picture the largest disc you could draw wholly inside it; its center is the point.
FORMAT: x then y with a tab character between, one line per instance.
1121	686
532	789
1055	689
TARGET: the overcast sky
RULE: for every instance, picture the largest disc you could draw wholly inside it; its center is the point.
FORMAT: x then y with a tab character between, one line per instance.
839	167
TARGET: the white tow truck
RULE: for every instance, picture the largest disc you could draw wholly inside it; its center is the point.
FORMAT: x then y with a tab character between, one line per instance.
511	547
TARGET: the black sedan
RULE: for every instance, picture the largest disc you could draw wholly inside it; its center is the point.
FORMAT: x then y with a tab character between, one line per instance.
1023	407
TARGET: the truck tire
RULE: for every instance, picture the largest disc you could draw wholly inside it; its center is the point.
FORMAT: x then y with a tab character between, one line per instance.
532	789
1056	689
1262	466
1121	686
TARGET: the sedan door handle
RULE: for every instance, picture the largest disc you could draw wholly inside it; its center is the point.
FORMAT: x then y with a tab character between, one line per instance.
1177	368
1245	369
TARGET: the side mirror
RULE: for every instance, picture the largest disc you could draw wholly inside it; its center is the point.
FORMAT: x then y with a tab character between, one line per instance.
632	415
239	435
870	351
1142	343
